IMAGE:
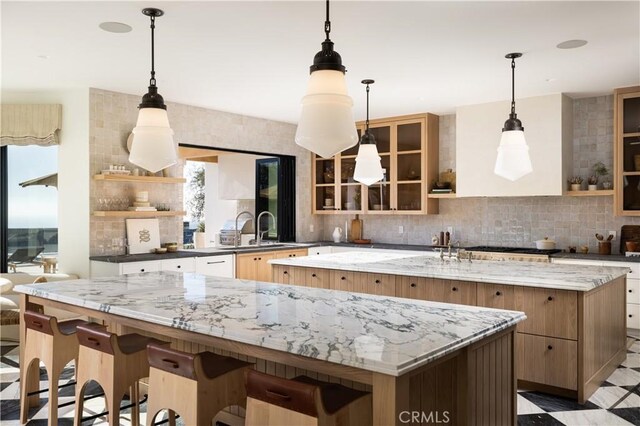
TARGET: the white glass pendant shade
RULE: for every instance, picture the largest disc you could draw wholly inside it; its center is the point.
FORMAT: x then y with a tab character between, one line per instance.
368	166
326	125
513	160
153	147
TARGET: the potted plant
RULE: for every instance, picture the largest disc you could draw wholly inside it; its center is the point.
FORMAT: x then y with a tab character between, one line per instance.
576	183
199	239
600	170
593	183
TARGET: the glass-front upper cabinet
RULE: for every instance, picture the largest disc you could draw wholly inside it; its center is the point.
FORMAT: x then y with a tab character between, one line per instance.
627	161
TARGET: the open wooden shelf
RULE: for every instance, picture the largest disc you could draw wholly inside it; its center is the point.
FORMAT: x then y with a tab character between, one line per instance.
147	179
127	213
630	173
631	135
589	193
452	195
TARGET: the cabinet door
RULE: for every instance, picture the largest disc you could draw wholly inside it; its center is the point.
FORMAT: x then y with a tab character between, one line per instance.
343	280
246	268
549	312
137	267
187	264
216	266
547	360
283	254
263	266
409	151
413	287
282	274
381	284
496	296
451	291
318	278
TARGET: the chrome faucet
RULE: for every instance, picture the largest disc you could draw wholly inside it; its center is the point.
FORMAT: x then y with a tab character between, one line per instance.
236	237
259	233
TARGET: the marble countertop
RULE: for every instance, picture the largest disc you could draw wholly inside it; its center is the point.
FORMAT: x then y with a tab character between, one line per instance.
596	257
382	334
530	274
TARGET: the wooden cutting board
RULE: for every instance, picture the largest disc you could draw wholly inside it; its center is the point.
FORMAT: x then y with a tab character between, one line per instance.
356	229
629	233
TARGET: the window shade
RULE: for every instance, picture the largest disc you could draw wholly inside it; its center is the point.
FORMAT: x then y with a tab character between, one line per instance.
30	124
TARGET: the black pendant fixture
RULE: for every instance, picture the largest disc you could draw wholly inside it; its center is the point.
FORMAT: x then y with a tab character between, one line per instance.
368	162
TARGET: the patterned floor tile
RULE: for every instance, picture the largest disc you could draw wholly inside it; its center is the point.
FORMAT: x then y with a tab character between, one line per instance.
590	418
554	403
614	396
632	415
538	420
632	361
625	377
527	407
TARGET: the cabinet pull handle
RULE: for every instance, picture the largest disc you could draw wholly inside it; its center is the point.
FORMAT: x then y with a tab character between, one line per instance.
259	258
377	281
549	347
498	293
313	275
343	278
630	316
255	258
413	284
142	270
285	272
216	262
455	289
550	298
178	266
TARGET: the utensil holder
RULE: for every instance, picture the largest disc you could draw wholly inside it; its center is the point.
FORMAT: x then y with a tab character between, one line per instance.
604	247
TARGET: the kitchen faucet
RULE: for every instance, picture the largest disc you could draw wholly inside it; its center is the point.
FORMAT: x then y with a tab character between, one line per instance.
259	234
236	237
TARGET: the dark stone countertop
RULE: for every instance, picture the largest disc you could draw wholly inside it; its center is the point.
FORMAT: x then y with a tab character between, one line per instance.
596	256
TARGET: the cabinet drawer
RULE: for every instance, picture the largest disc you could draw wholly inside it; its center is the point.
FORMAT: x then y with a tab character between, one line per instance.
413	287
498	296
216	266
633	291
187	264
282	274
549	312
290	253
547	360
136	267
452	291
633	316
315	251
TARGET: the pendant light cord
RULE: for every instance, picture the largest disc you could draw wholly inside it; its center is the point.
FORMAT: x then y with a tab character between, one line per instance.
513	86
367	122
152	81
327	23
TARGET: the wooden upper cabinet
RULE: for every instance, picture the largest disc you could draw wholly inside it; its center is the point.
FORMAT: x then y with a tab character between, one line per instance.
626	124
408	148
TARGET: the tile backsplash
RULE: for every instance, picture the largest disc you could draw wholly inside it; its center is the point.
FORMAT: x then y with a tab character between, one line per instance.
516	221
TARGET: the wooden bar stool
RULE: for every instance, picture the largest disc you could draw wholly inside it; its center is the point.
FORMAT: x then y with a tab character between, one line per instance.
117	363
196	386
53	343
304	401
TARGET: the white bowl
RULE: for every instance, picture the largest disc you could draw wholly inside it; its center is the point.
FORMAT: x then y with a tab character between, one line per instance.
545	244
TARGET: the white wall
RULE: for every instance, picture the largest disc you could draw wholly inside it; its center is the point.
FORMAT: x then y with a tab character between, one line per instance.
216	211
237	178
73	174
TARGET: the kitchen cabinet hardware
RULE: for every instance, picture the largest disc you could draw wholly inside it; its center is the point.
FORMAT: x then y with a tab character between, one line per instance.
549	347
377	281
498	293
343	278
255	258
259	258
178	266
142	270
286	272
216	262
413	284
313	275
454	289
550	298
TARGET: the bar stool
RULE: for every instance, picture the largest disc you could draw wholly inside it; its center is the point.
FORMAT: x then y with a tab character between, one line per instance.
304	401
196	386
117	363
53	343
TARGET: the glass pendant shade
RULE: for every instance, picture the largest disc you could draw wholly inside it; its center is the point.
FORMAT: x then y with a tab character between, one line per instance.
326	125
153	147
368	166
513	160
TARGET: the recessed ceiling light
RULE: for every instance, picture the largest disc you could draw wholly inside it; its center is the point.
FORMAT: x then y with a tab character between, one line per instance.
550	80
43	56
571	44
115	27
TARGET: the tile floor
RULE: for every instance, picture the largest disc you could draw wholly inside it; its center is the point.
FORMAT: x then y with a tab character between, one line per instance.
617	402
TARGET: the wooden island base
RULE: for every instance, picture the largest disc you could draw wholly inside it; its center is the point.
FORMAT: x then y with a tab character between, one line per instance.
472	385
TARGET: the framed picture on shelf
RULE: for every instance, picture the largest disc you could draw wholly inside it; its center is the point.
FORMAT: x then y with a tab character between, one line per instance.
143	235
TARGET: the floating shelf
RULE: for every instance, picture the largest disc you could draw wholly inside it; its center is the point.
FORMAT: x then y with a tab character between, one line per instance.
452	195
147	179
596	193
127	213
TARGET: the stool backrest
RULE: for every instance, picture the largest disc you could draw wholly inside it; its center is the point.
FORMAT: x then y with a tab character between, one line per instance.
176	362
289	394
40	322
97	338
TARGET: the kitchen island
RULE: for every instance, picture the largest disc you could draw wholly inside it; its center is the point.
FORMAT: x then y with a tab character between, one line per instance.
414	356
575	333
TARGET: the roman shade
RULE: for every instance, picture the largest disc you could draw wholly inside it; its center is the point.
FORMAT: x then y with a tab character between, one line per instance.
30	124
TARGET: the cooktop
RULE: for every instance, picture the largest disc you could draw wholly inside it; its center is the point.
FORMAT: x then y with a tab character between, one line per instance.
517	250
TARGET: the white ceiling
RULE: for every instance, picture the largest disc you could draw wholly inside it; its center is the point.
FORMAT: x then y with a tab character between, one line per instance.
252	57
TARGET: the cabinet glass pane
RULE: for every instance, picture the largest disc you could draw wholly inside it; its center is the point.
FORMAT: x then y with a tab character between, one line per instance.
347	167
351	197
383	138
631	115
325	172
409	196
325	198
410	137
631	160
354	149
385	160
409	167
631	192
379	197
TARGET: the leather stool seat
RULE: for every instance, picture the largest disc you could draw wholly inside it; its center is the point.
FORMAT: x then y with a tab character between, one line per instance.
196	386
275	400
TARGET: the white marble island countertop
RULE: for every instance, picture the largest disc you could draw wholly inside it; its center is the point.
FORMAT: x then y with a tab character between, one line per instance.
381	334
530	274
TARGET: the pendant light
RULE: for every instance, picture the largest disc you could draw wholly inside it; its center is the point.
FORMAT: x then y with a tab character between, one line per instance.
368	165
513	160
152	147
326	125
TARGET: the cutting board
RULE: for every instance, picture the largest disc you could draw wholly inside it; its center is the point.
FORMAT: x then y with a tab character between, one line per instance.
356	229
629	233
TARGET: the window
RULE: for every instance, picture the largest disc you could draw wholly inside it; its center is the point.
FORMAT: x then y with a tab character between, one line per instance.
30	198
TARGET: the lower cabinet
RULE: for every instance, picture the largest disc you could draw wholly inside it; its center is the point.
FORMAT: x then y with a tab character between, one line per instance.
357	282
185	264
216	266
254	266
318	278
547	360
